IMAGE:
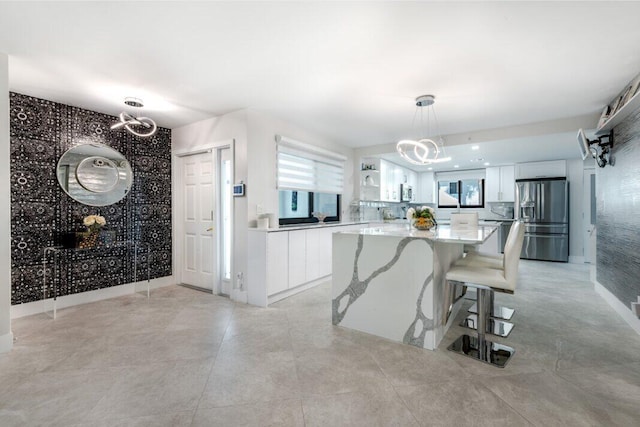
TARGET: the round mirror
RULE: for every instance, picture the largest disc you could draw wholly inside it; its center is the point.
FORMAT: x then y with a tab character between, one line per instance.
94	174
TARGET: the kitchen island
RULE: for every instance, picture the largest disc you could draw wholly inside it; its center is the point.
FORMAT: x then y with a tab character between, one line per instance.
390	281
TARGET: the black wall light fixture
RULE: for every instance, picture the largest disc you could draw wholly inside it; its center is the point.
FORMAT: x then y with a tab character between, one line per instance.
597	148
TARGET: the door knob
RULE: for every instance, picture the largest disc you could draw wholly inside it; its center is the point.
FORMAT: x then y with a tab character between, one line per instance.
210	229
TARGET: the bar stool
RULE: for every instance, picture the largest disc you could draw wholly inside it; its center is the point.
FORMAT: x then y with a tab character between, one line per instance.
486	281
481	259
465	221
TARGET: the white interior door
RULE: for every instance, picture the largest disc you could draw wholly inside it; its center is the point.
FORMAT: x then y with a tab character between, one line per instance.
199	248
589	216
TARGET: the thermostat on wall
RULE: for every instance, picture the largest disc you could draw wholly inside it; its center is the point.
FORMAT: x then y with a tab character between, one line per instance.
238	190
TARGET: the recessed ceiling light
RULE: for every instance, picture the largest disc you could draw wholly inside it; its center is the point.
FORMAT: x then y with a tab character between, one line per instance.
487	163
456	166
476	160
430	169
475	147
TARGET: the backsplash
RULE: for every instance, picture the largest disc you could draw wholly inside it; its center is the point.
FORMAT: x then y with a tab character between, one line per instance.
618	222
41	131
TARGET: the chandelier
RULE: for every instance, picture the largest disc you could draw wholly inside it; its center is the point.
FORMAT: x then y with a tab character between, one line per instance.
424	151
137	125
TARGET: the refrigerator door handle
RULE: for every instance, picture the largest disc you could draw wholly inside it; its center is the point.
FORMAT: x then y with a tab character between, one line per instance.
542	211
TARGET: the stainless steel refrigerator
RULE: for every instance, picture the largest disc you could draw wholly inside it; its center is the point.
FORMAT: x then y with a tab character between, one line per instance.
543	205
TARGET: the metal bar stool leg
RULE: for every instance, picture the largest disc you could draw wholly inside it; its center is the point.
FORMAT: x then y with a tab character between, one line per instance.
479	347
492	326
495	311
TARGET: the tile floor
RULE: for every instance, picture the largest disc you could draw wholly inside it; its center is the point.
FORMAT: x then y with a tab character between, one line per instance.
186	358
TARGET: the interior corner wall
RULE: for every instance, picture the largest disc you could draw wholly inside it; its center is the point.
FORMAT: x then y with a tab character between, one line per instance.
206	132
618	215
6	337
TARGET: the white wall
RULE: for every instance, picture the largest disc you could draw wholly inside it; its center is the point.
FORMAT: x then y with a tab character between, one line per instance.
575	176
206	132
262	161
255	164
6	337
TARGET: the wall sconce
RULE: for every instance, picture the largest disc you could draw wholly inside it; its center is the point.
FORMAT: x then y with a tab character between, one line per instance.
597	148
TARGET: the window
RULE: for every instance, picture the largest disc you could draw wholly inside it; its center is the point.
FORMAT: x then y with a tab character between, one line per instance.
297	207
469	193
309	179
308	168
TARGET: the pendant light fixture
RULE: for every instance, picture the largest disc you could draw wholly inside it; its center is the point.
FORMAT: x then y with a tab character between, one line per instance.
138	125
424	151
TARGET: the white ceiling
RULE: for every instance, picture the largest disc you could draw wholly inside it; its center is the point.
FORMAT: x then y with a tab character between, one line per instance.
348	71
502	152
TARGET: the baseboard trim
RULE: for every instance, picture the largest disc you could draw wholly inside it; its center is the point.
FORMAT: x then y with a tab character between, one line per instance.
284	294
624	311
6	342
576	259
37	307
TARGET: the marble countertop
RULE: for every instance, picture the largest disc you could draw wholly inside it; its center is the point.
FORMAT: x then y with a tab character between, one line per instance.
443	233
306	226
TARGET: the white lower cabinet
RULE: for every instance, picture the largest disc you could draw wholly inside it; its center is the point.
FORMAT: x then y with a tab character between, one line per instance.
297	258
277	277
281	261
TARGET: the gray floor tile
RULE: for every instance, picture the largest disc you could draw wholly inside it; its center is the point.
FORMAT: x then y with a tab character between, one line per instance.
285	413
185	354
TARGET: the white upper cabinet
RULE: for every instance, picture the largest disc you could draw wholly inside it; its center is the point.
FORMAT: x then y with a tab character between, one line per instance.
500	184
550	169
382	182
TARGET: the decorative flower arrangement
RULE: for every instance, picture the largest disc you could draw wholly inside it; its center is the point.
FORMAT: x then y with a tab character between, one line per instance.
94	223
422	218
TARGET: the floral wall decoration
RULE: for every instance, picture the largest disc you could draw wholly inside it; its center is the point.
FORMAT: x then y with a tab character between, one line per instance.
42	214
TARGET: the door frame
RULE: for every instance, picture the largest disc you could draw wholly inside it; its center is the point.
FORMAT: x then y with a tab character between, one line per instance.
178	246
589	232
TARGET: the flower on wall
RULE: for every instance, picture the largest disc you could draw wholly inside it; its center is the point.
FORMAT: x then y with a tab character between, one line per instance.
94	222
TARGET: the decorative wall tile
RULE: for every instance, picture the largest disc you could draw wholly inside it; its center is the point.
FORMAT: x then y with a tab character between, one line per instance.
41	213
618	214
35	118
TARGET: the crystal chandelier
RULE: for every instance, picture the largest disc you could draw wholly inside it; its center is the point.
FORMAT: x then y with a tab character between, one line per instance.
138	125
424	151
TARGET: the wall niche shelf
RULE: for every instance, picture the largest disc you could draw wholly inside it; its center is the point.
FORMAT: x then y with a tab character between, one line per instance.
620	115
623	112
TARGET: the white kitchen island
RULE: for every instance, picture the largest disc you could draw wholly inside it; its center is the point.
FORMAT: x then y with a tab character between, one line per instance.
390	281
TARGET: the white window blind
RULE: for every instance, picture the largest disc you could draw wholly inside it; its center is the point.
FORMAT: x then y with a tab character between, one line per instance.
308	168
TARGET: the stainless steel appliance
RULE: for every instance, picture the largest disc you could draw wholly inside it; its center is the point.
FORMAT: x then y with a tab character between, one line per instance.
543	205
406	193
503	233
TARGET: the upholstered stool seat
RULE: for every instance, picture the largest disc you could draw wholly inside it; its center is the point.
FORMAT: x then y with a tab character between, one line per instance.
487	280
482	259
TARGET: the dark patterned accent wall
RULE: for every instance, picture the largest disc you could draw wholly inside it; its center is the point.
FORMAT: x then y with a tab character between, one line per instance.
618	215
41	212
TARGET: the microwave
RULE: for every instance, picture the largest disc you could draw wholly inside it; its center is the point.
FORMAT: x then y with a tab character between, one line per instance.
406	193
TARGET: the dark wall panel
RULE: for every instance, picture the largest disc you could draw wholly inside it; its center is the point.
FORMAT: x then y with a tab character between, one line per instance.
618	214
41	131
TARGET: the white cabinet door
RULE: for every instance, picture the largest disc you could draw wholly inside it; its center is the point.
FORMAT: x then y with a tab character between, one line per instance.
492	185
500	184
325	250
297	257
491	246
550	169
311	256
507	184
277	262
385	176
